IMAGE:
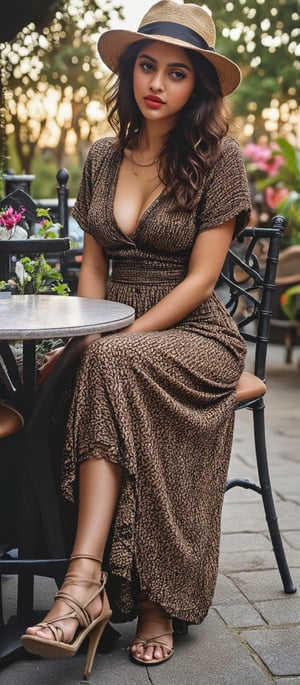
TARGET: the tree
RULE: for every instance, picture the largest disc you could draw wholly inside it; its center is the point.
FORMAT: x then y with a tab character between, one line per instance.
16	15
262	36
52	75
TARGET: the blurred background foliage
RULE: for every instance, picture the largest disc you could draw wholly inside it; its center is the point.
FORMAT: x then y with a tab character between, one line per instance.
263	36
52	105
52	81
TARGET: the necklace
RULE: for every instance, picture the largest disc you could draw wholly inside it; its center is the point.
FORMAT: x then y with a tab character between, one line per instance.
143	166
150	180
148	164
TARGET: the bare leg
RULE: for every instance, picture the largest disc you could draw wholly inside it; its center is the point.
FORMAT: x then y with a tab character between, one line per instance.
99	488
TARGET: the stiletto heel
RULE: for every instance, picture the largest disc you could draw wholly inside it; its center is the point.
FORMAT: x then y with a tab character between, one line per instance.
95	637
56	648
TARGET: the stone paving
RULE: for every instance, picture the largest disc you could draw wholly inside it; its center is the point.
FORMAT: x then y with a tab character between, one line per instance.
252	633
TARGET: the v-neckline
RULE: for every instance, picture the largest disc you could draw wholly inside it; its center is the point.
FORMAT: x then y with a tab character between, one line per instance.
114	182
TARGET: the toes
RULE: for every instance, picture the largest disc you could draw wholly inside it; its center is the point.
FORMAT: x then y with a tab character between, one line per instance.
149	654
136	649
161	652
32	630
37	631
158	653
139	652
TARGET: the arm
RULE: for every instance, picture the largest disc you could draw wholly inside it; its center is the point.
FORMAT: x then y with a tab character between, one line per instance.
94	270
93	274
206	261
92	283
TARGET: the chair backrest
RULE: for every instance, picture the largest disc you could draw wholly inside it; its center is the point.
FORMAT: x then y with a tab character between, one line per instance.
247	284
288	271
58	246
18	197
11	420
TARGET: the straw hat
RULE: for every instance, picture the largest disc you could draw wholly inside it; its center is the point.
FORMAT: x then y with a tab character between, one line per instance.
188	26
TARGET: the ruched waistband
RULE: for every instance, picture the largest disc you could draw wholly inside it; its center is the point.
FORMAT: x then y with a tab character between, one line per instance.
145	272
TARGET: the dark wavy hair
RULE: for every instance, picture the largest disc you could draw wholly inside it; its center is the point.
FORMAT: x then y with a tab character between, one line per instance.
193	146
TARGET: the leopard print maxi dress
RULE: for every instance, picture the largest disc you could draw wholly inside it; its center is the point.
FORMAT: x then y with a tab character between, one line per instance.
161	404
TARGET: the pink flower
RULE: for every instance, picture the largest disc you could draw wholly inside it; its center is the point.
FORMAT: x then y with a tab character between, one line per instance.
276	161
275	195
264	157
9	218
257	153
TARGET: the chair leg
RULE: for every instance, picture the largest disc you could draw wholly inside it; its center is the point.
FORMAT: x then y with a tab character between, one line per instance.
267	496
288	343
1	605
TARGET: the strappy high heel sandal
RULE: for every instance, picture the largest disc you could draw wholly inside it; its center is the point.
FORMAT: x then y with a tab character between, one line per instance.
56	648
141	641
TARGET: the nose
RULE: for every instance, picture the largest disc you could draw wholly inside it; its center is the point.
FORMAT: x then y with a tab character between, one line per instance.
156	83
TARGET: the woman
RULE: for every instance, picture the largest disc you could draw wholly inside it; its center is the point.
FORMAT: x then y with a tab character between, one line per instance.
150	428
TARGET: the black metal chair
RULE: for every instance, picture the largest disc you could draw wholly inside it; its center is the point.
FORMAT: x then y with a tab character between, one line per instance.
11	422
250	283
246	286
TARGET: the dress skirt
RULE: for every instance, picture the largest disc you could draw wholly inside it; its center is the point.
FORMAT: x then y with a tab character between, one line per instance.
160	404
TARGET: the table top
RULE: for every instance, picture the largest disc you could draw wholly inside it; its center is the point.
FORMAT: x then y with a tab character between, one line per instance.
33	317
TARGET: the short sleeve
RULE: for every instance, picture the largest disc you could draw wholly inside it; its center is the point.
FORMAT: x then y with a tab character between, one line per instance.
83	199
226	192
95	164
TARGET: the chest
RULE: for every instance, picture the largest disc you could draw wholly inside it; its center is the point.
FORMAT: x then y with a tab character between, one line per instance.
135	192
125	211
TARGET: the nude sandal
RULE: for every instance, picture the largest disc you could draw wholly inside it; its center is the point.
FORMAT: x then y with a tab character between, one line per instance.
143	642
93	628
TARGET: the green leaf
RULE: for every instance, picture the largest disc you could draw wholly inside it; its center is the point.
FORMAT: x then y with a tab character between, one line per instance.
291	158
264	183
61	289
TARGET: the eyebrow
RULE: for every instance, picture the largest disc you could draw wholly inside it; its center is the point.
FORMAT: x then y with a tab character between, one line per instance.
171	64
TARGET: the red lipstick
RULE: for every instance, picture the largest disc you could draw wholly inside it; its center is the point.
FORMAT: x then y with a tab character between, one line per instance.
153	101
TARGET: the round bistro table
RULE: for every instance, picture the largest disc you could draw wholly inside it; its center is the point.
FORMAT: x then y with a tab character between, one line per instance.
29	319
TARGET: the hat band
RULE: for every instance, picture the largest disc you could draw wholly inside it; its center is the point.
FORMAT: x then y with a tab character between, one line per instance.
170	28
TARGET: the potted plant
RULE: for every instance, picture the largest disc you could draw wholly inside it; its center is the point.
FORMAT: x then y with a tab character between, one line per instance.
32	275
9	224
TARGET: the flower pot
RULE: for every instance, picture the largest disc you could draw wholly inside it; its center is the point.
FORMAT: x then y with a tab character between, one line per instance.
14	233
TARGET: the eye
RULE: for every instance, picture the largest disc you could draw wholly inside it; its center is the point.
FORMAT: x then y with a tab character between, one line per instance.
146	66
177	75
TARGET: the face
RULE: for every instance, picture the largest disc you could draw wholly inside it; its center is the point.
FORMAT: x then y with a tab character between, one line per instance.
163	81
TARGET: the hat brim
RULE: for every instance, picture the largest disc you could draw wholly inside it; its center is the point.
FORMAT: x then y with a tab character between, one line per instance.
112	44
